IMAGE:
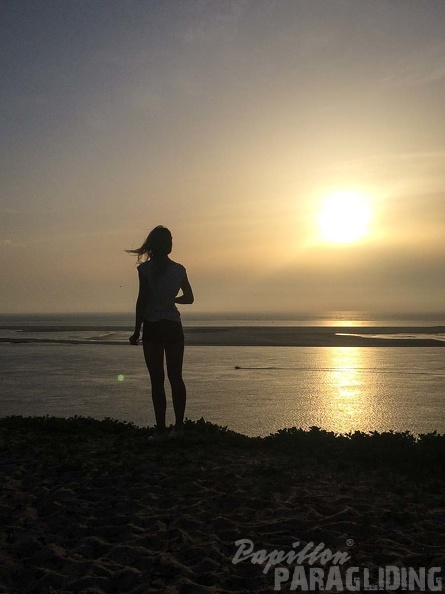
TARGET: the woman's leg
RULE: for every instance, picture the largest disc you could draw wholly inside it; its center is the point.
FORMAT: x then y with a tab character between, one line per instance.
174	352
154	359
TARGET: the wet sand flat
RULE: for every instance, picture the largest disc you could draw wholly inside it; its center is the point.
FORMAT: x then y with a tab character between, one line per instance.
298	336
313	336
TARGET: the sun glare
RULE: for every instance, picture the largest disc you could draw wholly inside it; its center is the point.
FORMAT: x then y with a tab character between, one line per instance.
344	218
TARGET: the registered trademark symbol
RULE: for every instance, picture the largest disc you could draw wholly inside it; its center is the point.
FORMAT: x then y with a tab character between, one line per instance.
350	542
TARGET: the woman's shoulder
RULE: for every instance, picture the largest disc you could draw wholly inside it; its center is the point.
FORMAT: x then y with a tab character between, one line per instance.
145	266
173	267
177	265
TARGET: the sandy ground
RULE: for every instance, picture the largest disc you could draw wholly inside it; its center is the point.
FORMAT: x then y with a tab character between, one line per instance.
91	511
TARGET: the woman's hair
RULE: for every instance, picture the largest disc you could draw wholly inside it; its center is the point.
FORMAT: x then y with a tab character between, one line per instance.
156	247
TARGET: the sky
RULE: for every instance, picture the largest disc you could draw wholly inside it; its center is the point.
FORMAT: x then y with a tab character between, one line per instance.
232	123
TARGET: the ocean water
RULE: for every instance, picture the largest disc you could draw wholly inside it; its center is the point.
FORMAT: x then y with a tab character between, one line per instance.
253	390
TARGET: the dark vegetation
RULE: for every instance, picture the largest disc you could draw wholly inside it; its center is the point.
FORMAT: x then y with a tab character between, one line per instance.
398	452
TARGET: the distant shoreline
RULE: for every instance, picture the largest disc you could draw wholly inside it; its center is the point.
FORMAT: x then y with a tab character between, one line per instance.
295	336
315	336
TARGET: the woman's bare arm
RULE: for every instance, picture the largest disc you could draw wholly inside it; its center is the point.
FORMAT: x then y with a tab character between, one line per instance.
187	293
140	308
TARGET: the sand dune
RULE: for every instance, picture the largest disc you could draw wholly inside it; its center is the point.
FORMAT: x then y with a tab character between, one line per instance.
91	511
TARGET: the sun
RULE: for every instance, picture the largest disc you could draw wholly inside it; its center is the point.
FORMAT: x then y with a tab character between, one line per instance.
344	217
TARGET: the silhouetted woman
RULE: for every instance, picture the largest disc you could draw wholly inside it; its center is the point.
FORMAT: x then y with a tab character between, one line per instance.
160	280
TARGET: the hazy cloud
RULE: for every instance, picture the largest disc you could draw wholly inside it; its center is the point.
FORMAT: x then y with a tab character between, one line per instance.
226	121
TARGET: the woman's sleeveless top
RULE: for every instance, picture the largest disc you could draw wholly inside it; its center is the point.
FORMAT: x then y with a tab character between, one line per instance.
163	290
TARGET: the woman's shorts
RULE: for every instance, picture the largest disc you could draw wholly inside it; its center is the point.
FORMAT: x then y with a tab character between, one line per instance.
162	331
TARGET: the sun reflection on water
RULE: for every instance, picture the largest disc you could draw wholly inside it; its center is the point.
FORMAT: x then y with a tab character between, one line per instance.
349	405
